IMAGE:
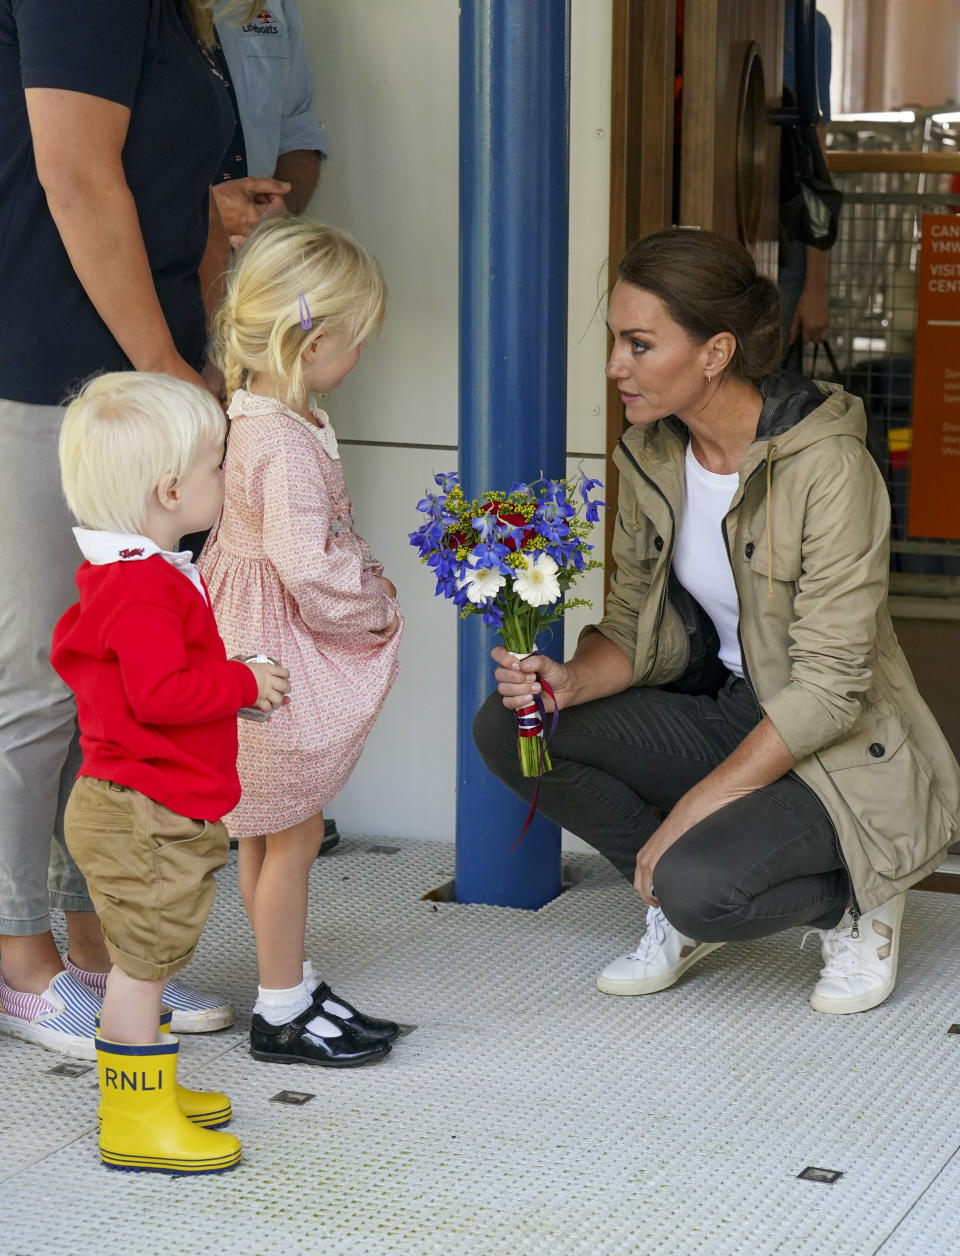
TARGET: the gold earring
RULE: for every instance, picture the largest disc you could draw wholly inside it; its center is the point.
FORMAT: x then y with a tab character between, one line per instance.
709	377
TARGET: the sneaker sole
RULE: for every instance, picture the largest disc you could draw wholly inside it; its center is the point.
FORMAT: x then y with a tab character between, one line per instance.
870	998
71	1045
650	985
203	1020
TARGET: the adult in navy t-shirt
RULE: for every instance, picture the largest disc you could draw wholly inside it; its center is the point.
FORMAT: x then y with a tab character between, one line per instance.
803	270
112	127
142	55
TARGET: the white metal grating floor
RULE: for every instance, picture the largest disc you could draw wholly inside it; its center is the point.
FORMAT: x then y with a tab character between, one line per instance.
527	1113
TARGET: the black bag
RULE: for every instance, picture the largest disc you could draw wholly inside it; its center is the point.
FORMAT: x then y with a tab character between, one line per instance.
809	202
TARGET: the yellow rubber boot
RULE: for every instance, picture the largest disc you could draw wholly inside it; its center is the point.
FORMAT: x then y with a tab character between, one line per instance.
208	1108
143	1127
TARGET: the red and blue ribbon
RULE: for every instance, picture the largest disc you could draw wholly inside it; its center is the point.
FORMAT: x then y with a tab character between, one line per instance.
530	721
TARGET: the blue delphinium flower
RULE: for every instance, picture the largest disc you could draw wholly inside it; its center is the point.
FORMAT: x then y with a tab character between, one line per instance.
513	532
432	504
491	554
446	569
467	544
591	514
485	526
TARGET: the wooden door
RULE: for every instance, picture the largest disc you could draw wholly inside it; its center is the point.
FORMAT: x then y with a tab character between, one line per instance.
729	145
731	70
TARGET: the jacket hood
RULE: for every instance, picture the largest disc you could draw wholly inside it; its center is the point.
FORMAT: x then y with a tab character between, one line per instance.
798	411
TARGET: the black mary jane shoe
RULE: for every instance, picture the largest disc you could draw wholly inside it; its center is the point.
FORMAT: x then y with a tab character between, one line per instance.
364	1028
293	1043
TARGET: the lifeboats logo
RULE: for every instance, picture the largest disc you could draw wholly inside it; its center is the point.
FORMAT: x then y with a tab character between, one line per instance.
263	24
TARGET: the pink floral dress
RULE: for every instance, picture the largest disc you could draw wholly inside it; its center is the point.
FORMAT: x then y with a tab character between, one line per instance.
290	578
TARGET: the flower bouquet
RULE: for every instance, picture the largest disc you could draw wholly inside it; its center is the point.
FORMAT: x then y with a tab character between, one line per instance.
509	557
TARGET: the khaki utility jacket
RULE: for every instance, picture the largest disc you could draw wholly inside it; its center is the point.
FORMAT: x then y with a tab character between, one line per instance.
807	535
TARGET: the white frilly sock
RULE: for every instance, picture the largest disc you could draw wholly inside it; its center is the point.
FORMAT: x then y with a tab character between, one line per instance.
279	1007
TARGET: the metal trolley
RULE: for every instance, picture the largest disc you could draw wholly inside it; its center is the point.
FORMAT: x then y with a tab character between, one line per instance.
891	169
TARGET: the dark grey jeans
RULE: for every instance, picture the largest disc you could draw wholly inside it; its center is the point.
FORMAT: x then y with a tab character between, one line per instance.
761	864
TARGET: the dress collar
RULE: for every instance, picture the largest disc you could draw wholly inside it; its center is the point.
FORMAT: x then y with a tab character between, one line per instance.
245	402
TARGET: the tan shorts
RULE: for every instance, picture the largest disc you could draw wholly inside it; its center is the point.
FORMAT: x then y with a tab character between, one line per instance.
149	873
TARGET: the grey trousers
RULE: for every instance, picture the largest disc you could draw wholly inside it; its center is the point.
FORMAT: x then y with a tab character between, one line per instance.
766	862
39	753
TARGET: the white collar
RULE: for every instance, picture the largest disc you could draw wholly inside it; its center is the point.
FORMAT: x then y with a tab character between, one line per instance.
245	402
101	548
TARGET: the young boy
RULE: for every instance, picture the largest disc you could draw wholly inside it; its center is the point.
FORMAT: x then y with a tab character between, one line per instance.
157	703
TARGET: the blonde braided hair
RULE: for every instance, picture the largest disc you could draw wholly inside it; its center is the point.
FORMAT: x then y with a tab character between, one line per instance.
258	327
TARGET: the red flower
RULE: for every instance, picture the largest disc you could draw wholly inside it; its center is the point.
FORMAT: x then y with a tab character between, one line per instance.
508	516
499	511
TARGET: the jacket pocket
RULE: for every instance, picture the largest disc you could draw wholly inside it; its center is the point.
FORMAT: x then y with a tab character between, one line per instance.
888	787
786	565
639	533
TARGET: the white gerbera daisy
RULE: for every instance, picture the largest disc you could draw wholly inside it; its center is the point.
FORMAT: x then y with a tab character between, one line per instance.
481	583
537	584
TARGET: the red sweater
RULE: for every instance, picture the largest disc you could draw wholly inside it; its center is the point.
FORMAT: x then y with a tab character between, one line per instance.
157	698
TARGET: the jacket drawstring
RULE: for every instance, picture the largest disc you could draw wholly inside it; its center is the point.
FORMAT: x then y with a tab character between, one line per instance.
771	453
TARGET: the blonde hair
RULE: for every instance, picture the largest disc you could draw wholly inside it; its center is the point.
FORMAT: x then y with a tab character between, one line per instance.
292	271
122	434
203	13
239	10
201	19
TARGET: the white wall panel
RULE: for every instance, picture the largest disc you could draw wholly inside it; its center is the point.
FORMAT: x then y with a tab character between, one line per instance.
591	586
403	785
590	58
386	90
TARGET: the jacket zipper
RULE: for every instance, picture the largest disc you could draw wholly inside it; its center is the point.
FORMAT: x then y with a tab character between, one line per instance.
736	588
854	906
673	537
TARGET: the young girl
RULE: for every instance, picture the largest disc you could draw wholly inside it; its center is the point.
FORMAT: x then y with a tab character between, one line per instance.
290	578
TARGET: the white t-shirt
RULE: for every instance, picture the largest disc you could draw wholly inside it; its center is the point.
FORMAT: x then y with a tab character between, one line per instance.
700	559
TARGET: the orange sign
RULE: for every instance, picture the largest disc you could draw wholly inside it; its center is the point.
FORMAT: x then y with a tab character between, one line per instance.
935	456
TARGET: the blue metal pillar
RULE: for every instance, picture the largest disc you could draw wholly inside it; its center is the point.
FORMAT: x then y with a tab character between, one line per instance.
514	106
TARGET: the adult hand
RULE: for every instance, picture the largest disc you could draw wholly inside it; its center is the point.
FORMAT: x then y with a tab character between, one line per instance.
811	319
649	853
178	368
517	679
243	202
213	380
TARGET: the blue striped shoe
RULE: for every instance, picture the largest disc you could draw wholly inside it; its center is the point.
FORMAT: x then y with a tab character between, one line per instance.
193	1012
61	1019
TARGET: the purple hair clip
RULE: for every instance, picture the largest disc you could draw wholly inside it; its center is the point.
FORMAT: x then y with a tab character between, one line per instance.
306	318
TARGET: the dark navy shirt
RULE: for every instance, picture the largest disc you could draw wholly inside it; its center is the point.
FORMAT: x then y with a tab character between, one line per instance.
141	54
824	57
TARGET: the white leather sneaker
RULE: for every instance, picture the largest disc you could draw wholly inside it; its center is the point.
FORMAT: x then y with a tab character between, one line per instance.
859	972
662	957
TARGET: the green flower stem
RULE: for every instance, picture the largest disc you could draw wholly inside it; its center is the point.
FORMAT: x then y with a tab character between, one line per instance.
529	749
